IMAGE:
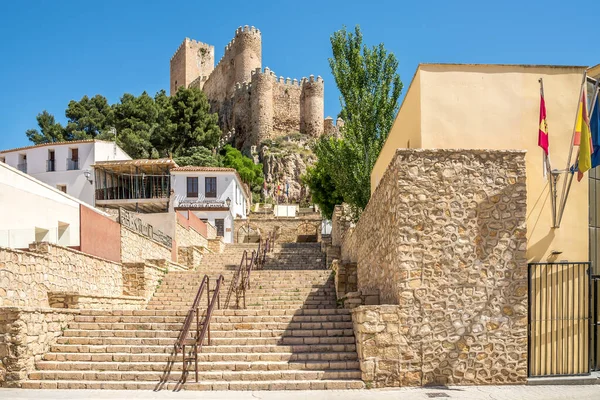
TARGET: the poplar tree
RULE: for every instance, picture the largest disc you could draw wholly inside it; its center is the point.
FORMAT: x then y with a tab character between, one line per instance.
369	89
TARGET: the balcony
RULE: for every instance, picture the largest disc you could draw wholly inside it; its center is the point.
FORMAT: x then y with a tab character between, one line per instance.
22	167
72	164
50	165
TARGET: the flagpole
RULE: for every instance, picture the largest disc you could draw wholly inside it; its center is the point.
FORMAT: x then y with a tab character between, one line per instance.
565	193
546	165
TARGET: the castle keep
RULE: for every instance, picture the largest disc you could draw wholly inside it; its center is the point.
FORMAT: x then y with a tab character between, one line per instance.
254	102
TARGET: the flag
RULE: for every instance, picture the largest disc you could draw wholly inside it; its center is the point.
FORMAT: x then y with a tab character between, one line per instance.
584	138
543	130
595	131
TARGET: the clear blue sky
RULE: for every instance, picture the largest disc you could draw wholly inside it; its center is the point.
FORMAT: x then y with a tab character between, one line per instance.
56	51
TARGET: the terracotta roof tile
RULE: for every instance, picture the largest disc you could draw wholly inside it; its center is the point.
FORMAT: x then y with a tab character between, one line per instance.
55	144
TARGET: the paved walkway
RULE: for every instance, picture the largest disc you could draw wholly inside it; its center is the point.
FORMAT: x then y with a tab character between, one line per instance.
467	393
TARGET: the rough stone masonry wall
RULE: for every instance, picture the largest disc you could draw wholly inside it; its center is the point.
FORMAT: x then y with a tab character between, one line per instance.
443	240
137	248
142	279
26	334
26	277
287	228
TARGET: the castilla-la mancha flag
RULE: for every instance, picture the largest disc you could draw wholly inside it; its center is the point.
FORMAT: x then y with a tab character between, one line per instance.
543	131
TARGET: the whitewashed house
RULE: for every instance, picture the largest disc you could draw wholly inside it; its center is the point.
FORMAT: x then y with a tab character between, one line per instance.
66	166
215	195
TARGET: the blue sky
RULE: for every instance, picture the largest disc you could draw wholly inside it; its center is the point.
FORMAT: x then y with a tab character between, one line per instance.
56	51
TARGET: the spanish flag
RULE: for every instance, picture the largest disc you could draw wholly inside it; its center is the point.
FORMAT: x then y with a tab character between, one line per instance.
543	131
583	138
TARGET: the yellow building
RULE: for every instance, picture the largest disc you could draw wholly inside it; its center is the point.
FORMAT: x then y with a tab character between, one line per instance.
497	107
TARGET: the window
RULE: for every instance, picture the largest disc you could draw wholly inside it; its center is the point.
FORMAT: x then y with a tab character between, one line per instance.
73	162
192	186
210	186
62	188
50	162
220	225
22	165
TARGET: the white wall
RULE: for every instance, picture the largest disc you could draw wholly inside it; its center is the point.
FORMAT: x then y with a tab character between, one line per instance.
227	186
227	224
77	184
27	204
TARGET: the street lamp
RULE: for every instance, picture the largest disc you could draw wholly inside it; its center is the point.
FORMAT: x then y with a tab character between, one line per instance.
228	202
88	175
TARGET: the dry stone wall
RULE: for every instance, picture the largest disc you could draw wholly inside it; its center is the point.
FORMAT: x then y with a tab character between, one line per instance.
443	239
26	277
142	279
286	228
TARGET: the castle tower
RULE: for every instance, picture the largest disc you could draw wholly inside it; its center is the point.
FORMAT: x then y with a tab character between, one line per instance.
248	53
191	61
261	104
313	106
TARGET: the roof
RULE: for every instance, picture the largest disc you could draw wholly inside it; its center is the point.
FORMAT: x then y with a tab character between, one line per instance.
505	65
52	188
55	144
192	168
141	161
594	71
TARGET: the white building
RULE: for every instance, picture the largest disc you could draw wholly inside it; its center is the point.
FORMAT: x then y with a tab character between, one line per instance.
66	166
31	211
215	195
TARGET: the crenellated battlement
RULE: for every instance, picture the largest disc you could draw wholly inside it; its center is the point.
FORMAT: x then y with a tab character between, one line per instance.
252	100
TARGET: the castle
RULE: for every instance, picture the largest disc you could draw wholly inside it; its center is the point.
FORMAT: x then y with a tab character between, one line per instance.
252	102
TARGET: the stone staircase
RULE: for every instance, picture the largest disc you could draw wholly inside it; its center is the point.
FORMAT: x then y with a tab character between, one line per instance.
290	336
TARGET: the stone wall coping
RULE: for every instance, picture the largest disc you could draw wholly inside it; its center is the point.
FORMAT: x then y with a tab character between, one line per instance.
24	252
155	262
92	296
460	151
145	264
55	246
41	310
315	217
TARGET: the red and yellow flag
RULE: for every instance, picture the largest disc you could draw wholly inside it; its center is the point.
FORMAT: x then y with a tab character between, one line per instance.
543	131
583	138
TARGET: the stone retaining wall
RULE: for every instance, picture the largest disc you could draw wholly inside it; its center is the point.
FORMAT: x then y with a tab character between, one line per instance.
443	240
26	277
26	334
137	248
190	256
142	279
188	236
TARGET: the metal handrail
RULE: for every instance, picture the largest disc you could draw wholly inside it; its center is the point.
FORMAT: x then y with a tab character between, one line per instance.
205	324
236	277
180	343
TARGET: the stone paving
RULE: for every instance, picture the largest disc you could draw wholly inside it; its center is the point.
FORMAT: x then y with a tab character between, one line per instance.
513	392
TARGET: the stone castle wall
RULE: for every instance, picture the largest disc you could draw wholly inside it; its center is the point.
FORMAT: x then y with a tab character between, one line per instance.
443	241
193	60
256	105
26	277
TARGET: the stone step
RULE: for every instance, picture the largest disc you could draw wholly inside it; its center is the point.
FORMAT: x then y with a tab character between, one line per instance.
298	350
214	326
206	375
205	356
277	312
325	384
239	333
215	319
215	341
158	365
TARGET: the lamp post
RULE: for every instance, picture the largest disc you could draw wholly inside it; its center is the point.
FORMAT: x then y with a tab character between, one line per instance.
228	202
